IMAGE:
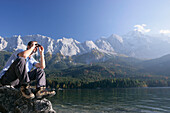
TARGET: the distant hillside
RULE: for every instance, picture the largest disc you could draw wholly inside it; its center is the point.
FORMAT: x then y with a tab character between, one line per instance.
159	66
91	57
85	73
58	65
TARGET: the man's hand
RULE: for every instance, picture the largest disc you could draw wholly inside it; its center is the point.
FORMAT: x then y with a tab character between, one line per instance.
41	50
42	60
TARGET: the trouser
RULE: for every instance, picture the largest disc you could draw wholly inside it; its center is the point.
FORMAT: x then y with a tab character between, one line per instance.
17	74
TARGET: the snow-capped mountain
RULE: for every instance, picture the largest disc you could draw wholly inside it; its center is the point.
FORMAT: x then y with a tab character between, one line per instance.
144	46
3	43
114	43
65	46
134	44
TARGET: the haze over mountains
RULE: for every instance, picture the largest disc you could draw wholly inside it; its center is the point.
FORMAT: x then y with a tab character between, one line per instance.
133	44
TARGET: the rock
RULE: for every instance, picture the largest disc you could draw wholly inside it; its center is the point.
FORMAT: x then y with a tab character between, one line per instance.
12	101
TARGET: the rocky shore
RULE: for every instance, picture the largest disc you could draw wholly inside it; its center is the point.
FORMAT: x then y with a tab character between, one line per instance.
11	101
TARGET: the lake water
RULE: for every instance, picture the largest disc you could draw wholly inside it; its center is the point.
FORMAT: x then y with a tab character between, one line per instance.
125	100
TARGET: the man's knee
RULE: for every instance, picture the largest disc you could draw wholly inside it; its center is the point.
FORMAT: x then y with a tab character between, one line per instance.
40	70
21	59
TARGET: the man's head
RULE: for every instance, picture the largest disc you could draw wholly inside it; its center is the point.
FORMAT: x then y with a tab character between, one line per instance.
30	44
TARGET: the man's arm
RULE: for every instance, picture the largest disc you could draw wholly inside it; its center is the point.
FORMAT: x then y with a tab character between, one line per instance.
27	52
42	60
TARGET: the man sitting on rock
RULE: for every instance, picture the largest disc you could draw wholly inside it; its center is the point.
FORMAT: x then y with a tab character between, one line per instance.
21	68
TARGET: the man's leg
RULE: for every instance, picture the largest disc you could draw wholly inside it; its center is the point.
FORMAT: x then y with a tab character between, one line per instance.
38	74
16	74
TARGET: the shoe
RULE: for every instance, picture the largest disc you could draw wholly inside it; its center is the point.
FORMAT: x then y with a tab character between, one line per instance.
42	93
26	92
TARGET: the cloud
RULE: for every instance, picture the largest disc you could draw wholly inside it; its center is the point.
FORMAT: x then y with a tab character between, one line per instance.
164	31
141	28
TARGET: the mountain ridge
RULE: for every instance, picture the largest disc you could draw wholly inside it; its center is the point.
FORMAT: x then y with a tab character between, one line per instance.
133	44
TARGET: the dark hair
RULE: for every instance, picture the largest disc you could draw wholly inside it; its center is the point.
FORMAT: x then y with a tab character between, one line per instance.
29	43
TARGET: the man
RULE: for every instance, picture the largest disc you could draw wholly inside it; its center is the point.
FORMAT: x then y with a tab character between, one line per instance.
21	68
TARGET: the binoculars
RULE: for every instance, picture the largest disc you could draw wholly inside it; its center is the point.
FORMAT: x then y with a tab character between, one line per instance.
38	45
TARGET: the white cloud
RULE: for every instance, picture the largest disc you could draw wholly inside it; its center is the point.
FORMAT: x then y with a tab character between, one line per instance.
141	28
164	31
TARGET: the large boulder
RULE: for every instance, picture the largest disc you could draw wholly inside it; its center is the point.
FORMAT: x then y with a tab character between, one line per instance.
12	101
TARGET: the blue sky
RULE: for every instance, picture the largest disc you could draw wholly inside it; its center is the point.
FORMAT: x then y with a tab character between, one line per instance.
83	19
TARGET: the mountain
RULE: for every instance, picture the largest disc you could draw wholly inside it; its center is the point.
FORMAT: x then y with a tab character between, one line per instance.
114	43
90	57
133	44
140	45
85	72
3	43
64	46
60	67
136	44
158	66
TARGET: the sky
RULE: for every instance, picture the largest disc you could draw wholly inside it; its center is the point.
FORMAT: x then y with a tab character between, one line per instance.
83	19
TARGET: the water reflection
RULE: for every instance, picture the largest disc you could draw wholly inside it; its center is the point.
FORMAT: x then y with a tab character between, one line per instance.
144	100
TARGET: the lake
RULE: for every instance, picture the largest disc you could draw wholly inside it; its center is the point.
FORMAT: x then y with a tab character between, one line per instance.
123	100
